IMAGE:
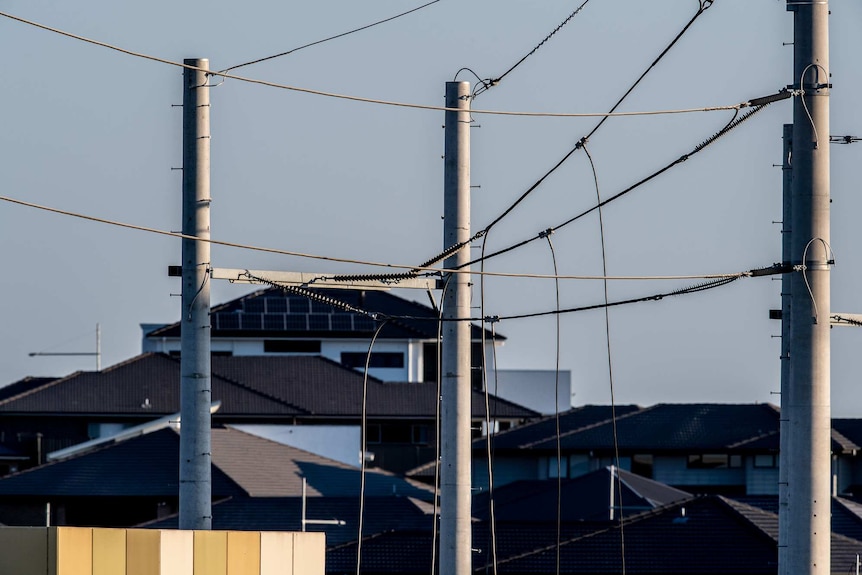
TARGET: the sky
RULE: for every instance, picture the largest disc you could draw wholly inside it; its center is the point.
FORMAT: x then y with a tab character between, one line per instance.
94	131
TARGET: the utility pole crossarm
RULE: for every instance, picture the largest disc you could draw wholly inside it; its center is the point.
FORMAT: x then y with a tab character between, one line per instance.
317	279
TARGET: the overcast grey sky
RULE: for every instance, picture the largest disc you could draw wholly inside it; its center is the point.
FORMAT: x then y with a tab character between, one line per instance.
93	131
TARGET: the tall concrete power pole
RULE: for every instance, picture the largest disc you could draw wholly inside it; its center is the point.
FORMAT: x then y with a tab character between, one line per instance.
808	409
195	384
456	392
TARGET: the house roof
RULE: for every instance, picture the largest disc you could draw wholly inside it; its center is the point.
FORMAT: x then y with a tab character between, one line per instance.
706	534
574	419
23	385
145	466
246	386
243	465
705	427
276	313
584	498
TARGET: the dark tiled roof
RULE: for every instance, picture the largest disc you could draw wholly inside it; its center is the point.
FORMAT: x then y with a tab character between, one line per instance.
274	313
546	428
23	385
246	386
143	466
127	388
585	498
709	536
849	428
669	427
243	464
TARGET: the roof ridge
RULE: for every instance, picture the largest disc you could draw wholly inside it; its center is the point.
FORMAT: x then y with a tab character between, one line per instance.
742	442
258	392
593	425
737	506
38	388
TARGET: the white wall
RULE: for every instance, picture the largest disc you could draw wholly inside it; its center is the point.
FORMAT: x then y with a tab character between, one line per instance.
339	442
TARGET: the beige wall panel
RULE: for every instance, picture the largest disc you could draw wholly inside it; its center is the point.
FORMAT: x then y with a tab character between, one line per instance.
24	550
243	553
210	552
177	552
276	553
309	553
74	551
143	547
109	551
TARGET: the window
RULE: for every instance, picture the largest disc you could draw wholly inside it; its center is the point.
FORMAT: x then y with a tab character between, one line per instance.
291	346
642	464
378	359
372	433
765	460
420	434
714	461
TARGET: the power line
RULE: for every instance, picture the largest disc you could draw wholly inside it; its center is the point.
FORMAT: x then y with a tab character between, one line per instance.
735	122
428	271
703	5
488	84
343	34
369	100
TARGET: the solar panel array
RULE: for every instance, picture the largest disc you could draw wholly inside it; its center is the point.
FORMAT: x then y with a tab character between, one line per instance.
278	312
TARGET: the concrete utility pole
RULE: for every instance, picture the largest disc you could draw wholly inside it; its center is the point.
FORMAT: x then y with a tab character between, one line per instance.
195	390
785	449
808	416
456	390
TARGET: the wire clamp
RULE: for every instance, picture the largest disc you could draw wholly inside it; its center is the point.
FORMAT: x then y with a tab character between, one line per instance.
491	319
546	233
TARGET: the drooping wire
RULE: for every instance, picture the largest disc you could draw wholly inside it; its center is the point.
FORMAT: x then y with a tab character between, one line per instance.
490	83
732	124
364	441
492	506
347	96
558	444
492	517
343	34
610	363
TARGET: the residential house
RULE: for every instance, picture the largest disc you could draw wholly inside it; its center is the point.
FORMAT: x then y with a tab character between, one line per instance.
280	390
339	324
730	449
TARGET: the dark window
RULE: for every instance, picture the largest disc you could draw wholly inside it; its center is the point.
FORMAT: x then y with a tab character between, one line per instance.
420	434
291	346
372	433
378	359
765	460
642	464
708	461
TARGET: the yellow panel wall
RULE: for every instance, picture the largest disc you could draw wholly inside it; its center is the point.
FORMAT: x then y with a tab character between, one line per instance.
276	553
109	551
94	551
210	552
309	553
143	552
177	552
74	548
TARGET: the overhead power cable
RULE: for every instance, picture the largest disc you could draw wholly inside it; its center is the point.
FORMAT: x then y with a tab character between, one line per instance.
343	34
363	99
700	147
427	272
490	83
703	6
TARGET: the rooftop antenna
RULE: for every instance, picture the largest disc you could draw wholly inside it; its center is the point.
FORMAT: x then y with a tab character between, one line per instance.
97	353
